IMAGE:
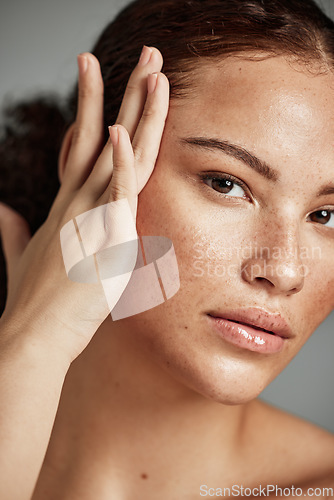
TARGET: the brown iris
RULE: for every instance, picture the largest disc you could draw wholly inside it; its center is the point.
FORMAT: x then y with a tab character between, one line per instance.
323	215
222	185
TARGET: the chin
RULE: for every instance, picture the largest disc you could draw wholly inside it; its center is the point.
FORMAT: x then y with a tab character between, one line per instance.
224	381
184	359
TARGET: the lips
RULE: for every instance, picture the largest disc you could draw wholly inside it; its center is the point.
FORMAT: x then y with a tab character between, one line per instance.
255	327
257	318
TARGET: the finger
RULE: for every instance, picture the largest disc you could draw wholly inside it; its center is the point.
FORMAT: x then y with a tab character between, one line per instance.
88	136
147	139
133	102
99	178
15	236
129	116
124	181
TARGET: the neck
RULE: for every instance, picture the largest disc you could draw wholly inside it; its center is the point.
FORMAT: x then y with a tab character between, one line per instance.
124	408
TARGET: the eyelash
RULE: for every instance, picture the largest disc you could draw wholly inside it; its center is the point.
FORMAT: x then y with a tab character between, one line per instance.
223	177
237	182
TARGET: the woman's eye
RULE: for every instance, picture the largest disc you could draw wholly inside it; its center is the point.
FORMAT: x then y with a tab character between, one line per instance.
225	185
323	217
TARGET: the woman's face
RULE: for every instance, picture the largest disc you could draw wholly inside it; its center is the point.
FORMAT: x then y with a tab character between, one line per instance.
263	244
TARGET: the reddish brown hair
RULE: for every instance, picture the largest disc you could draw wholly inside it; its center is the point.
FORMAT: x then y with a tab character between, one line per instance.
187	31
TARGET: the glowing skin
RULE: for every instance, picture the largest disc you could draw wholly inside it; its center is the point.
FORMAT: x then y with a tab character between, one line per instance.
133	403
286	118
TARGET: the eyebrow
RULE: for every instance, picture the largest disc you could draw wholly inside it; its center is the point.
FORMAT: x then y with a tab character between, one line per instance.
247	157
237	152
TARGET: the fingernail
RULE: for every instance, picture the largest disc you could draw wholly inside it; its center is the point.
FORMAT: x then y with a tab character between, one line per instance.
113	133
82	64
145	56
152	82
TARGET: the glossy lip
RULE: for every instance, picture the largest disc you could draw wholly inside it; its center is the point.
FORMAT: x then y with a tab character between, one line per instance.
247	337
258	318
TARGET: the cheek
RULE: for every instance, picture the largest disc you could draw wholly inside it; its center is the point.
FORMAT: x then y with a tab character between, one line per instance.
205	245
213	244
318	297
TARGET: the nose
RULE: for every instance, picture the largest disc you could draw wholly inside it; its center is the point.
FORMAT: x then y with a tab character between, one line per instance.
276	264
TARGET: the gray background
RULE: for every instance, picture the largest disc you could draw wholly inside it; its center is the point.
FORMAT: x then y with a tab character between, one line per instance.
39	41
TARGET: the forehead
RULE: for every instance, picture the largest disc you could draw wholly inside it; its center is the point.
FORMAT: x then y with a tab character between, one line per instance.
270	104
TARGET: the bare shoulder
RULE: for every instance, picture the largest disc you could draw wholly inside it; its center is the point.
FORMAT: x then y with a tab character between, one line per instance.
300	451
320	487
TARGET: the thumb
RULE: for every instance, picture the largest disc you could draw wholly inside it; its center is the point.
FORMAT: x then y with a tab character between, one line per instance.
15	236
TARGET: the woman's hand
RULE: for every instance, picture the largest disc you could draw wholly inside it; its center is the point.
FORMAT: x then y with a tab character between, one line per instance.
40	295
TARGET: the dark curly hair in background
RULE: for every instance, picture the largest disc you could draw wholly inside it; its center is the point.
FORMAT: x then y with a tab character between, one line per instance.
185	32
